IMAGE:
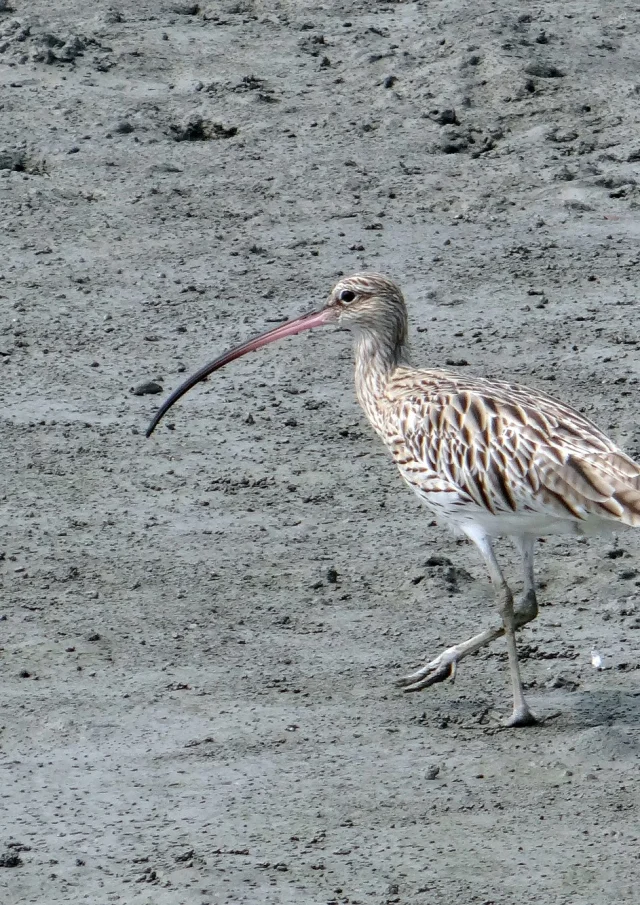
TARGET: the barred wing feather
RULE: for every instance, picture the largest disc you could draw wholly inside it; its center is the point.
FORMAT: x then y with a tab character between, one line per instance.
506	449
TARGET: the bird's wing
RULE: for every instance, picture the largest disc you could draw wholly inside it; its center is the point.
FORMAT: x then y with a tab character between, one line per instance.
507	449
595	483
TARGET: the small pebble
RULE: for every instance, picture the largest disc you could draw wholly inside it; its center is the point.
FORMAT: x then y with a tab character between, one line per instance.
149	388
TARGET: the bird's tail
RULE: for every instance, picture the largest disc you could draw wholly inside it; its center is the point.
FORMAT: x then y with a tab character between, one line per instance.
602	484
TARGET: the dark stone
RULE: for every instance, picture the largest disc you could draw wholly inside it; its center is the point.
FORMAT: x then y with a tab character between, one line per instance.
542	70
199	129
149	388
446	117
454	142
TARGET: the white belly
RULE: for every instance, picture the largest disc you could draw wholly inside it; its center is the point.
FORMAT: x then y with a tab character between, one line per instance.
456	514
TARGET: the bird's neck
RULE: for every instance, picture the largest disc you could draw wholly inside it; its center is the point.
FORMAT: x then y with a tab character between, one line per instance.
377	356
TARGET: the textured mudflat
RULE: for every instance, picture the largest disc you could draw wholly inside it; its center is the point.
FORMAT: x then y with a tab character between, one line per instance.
201	631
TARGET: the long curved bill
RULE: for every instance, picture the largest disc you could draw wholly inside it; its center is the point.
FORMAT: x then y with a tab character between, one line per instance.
297	325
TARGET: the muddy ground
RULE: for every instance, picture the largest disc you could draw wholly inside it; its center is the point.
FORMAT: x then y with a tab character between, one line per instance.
201	631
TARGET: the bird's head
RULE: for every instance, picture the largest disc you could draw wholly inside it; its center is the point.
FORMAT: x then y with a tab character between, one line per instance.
364	292
368	304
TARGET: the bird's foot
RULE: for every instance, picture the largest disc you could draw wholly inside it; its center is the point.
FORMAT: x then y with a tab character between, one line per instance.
521	716
438	670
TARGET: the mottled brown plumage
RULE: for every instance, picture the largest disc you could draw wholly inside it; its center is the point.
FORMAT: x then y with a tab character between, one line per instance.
488	458
506	450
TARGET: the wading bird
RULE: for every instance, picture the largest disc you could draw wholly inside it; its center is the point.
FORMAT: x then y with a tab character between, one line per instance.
488	458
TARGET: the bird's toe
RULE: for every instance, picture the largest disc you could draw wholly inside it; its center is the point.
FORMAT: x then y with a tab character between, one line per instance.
439	670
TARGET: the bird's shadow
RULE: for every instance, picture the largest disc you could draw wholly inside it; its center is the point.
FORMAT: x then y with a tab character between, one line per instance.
592	708
613	713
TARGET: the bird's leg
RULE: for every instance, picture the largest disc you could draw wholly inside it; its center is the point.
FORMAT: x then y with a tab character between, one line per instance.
444	666
521	715
527	606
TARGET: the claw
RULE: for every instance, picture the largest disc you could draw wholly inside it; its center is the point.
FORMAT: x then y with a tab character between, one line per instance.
438	670
428	675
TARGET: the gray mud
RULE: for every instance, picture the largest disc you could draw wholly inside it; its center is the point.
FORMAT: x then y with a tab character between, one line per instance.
201	631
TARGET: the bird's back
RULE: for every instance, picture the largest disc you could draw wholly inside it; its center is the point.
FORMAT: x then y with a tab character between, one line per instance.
515	459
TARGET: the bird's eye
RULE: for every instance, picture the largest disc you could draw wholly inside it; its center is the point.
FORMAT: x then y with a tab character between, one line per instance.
347	295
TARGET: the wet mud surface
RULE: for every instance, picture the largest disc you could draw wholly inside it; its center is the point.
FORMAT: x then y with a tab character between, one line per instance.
201	631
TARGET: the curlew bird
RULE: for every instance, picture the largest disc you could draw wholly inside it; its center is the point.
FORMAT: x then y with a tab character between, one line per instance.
488	458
